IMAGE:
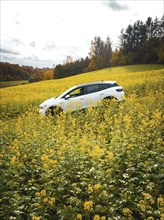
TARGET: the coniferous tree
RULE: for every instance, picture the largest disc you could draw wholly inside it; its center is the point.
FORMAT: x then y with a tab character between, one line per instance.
142	42
100	53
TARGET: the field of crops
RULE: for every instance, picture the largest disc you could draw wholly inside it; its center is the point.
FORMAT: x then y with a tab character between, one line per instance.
102	164
13	83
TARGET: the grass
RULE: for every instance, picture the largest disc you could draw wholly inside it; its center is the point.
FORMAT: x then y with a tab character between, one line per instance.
104	163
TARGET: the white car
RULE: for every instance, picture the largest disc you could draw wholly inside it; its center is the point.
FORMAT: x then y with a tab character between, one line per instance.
82	96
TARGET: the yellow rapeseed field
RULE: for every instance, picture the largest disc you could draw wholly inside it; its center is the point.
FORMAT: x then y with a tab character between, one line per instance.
102	164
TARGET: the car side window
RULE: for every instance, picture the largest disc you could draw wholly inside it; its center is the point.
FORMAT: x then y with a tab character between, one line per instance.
102	87
76	92
91	89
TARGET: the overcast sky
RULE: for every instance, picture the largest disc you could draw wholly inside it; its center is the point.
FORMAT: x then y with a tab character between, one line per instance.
43	33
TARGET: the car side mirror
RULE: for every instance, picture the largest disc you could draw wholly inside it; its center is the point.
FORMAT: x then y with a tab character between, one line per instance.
67	97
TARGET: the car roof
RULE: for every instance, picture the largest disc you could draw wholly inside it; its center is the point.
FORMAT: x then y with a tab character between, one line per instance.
86	84
93	83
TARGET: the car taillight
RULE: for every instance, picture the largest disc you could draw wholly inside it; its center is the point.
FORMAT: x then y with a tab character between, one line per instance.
119	90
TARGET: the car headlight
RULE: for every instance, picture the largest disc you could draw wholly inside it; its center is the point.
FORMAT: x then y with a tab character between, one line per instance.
43	107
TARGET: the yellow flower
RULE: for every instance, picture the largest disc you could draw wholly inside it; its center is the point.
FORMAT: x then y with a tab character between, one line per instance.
45	165
96	217
160	201
147	195
162	216
142	204
152	201
33	161
130	146
53	162
18	154
43	192
103	218
150	218
35	218
79	217
90	189
44	157
110	155
50	203
157	115
51	151
108	171
127	212
12	160
53	199
45	200
127	120
159	141
96	151
20	164
37	194
37	204
97	186
104	192
88	205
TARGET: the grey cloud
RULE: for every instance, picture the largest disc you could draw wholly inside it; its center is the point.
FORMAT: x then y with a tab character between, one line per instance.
28	61
50	46
116	6
4	51
36	62
17	42
74	51
32	44
17	19
17	22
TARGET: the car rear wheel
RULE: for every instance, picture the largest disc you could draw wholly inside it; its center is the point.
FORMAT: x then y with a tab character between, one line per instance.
109	100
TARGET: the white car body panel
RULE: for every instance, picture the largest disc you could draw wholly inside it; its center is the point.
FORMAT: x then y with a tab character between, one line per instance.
87	99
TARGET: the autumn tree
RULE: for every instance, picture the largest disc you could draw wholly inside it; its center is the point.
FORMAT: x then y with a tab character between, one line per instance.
48	74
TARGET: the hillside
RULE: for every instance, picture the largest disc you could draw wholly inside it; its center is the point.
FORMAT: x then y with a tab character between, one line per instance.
22	98
104	163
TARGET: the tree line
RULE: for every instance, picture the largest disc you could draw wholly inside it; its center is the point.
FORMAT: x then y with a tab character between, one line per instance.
14	72
140	43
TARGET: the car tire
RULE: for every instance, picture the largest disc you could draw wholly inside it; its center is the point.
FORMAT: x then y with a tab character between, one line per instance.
54	110
108	100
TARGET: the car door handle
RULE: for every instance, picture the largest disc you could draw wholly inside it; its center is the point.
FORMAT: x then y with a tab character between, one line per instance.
82	99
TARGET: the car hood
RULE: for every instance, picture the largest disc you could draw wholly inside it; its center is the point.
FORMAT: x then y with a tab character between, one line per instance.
48	102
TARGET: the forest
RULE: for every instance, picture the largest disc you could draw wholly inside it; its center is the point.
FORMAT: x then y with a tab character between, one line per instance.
140	43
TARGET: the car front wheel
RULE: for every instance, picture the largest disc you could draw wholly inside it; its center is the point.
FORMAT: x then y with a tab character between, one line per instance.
54	110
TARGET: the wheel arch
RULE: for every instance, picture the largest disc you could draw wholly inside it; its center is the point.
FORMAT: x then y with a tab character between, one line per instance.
109	98
52	110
